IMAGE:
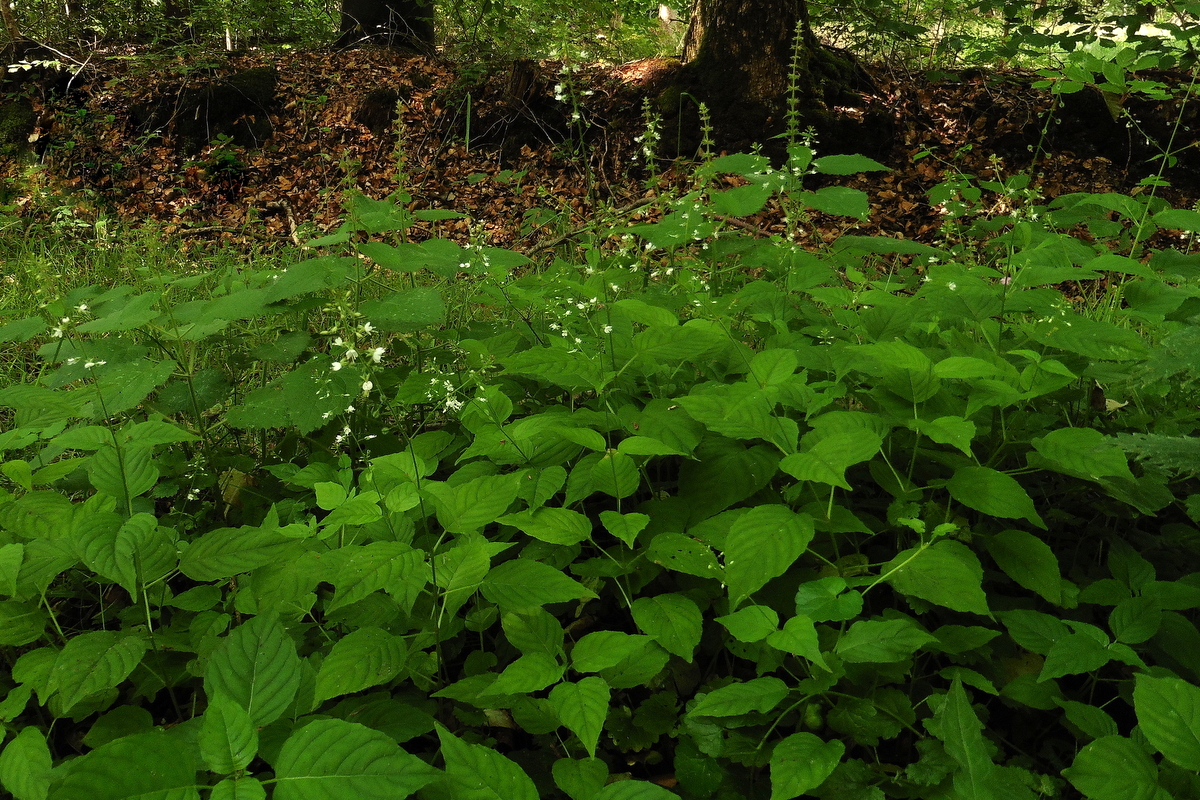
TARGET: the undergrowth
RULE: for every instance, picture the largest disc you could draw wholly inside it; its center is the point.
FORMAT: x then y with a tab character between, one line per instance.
680	513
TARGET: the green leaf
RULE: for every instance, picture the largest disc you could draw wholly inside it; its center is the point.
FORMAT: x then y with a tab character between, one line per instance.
581	779
847	165
404	312
1135	619
393	567
238	789
331	759
554	525
471	505
363	658
1114	768
1029	561
147	765
681	553
759	694
954	431
604	649
752	623
228	739
625	527
529	673
741	201
672	620
25	765
838	200
93	662
828	459
522	583
1085	452
634	790
1168	712
877	641
123	474
799	637
960	730
123	315
994	493
460	571
226	552
256	665
801	763
1074	654
946	573
616	474
582	708
20	623
475	772
762	544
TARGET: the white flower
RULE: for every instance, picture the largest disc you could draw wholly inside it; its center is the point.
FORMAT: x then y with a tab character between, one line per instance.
608	328
90	364
351	354
367	387
377	354
951	286
452	404
368	327
554	326
335	366
81	308
338	342
349	409
57	333
65	320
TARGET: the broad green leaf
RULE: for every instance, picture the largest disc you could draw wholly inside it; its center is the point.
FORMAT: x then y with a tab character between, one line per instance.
994	493
838	200
226	552
530	673
123	315
522	583
93	662
393	567
752	623
603	649
1092	720
245	788
741	201
257	666
826	600
616	474
331	759
758	694
475	772
1114	768
1135	619
960	730
681	553
801	763
146	765
406	311
847	165
672	620
363	658
634	790
25	765
123	474
460	572
228	739
1181	219
1029	561
966	367
553	525
946	573
762	544
1085	452
581	779
471	505
828	459
21	623
954	431
884	642
799	637
625	527
1168	712
582	708
1073	654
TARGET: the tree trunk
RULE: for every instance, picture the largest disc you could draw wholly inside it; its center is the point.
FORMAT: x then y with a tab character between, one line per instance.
747	44
10	21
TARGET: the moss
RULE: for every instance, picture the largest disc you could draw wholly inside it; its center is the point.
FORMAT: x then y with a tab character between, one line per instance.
17	121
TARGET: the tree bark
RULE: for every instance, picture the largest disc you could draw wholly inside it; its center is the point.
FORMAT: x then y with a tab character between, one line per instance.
10	21
747	43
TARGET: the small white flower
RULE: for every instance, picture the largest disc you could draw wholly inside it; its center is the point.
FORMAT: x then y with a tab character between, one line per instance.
368	327
554	326
57	333
349	410
367	387
351	354
338	342
335	366
951	285
72	362
81	308
377	354
608	328
65	320
90	364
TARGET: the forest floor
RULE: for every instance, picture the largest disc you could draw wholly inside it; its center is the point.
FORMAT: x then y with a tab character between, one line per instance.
504	146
